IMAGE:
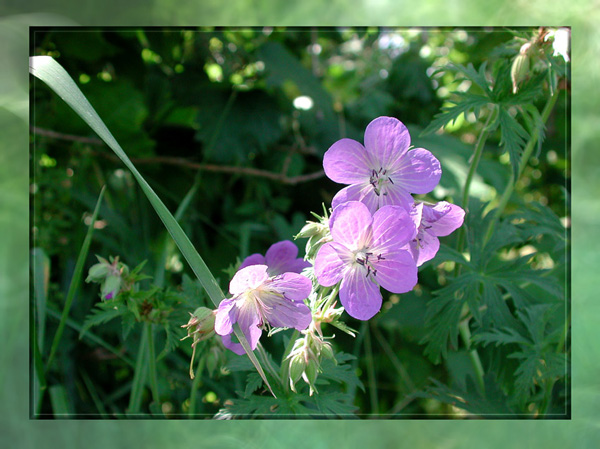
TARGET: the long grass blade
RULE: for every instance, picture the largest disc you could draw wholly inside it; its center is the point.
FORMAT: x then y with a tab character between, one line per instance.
56	77
75	281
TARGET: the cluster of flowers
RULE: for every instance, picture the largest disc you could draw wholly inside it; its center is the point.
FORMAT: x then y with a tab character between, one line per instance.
377	236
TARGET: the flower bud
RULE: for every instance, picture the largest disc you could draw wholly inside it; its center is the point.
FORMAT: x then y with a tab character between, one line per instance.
111	286
310	375
297	367
520	67
201	324
310	228
327	352
98	272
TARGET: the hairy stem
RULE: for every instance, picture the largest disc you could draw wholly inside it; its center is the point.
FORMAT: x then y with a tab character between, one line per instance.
195	386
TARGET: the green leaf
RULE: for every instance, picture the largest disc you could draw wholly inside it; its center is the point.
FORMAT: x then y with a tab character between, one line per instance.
465	103
513	137
104	313
48	70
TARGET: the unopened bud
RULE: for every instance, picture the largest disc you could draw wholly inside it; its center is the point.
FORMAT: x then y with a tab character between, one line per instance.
310	228
520	67
97	272
327	352
310	375
297	367
111	286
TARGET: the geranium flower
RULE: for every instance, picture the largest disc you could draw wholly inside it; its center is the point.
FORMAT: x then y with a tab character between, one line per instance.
260	301
433	221
367	251
383	171
280	258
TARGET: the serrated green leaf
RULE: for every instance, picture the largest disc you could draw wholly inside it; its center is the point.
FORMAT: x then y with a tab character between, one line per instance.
253	383
465	103
100	315
513	137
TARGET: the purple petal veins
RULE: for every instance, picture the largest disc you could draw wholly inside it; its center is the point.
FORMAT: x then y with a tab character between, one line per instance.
383	171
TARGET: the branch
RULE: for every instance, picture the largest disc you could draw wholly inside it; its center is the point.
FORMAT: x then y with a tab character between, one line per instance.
178	161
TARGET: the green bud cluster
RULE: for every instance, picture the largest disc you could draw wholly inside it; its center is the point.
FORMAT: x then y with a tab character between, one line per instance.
109	275
317	233
306	357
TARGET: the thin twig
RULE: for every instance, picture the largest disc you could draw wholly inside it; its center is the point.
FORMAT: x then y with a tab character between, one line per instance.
181	162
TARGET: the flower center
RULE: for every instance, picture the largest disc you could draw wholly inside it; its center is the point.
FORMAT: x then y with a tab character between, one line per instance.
379	179
368	261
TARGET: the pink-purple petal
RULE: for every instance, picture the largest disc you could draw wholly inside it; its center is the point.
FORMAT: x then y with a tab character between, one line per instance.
350	224
398	272
359	295
253	259
281	312
418	171
392	228
294	286
252	335
248	278
281	257
386	140
426	248
444	218
357	192
396	195
329	266
226	316
347	162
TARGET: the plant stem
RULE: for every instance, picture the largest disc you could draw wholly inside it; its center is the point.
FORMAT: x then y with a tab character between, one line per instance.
523	163
371	372
195	386
470	175
139	377
465	334
463	327
152	366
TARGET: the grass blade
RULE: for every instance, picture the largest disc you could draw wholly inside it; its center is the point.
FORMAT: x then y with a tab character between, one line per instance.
75	281
55	76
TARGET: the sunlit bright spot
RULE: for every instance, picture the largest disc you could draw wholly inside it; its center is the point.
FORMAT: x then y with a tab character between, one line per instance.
425	51
303	103
383	73
315	49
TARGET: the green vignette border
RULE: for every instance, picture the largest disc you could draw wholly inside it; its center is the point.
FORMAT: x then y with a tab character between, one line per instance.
450	434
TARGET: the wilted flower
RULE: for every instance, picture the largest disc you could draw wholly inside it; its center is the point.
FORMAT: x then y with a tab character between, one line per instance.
367	251
383	171
280	258
433	221
259	301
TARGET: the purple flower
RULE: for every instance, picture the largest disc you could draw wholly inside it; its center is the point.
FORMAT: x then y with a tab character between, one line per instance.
432	222
280	258
367	251
383	171
258	301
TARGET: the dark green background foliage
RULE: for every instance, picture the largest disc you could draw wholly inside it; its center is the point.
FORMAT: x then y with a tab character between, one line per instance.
216	110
